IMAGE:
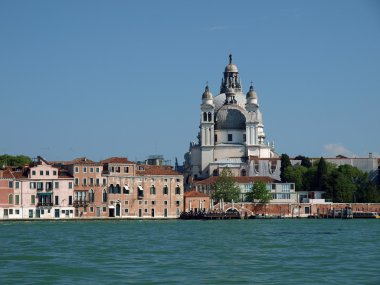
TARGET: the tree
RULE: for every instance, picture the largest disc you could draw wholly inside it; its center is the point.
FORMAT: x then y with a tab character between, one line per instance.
285	162
305	161
322	176
225	187
296	175
259	192
11	160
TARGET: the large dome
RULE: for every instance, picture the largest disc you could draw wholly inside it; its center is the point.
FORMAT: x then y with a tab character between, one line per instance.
230	117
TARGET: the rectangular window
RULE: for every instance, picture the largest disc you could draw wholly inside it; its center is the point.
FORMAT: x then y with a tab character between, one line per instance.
91	181
56	200
10	211
40	186
10	184
84	169
104	181
177	203
33	199
76	169
70	185
54	172
112	169
126	210
97	182
126	169
91	169
230	137
17	184
49	186
91	209
292	186
33	172
166	190
41	172
97	170
117	168
70	200
244	137
76	181
273	186
84	181
17	199
56	184
104	209
165	202
17	212
153	203
47	173
32	185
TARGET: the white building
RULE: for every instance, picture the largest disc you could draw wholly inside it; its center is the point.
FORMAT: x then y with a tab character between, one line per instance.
231	134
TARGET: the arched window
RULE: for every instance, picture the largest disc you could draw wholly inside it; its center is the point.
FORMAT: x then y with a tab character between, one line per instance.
166	190
215	172
209	116
204	116
10	199
243	172
117	189
177	190
104	196
111	189
92	196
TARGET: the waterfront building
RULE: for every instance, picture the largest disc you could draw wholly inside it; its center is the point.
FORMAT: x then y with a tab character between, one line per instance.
7	206
141	190
281	192
196	201
40	190
89	185
231	134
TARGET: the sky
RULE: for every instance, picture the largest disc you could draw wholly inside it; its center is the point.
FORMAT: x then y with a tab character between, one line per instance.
125	78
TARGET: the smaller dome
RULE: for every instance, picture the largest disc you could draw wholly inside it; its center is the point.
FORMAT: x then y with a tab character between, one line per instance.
251	93
231	68
207	94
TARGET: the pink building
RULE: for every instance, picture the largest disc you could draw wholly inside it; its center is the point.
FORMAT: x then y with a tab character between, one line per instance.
41	191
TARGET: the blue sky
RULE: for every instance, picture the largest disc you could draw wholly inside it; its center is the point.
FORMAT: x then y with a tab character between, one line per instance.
125	78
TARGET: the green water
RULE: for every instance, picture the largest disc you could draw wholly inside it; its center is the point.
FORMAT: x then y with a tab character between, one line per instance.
191	252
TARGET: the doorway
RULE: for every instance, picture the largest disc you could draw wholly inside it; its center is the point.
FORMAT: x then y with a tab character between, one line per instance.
111	212
117	210
98	211
152	213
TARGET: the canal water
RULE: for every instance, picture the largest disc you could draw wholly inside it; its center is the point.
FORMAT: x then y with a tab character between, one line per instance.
191	252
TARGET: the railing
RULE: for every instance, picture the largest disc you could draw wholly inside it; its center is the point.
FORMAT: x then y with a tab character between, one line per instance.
81	203
44	204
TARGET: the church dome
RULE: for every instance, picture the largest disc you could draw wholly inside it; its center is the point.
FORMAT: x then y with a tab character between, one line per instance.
207	94
251	93
230	117
231	68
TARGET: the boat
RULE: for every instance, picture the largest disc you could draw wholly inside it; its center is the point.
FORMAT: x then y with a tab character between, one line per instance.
366	215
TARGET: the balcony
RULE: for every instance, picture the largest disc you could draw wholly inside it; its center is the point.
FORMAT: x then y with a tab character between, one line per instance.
81	203
44	204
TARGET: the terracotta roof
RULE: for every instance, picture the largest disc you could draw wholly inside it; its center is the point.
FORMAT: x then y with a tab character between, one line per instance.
239	179
116	160
82	161
7	174
195	194
156	170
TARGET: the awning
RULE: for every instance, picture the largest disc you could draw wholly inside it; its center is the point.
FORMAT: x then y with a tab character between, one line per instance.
126	187
111	207
140	188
